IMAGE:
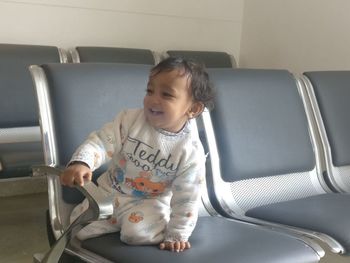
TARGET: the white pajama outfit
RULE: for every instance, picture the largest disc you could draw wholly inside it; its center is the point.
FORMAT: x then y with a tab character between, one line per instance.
154	176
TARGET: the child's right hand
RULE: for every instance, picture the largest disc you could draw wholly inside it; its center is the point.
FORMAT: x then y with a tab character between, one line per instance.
76	174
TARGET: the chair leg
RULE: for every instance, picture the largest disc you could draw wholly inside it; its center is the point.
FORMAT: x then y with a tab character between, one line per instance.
50	236
56	251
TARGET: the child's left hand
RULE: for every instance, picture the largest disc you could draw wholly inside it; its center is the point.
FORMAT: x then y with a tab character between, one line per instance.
175	246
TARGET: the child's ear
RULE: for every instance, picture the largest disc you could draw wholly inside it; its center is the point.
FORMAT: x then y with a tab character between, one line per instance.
196	109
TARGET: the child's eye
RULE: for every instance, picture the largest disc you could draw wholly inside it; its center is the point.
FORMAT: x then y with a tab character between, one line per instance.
149	91
167	95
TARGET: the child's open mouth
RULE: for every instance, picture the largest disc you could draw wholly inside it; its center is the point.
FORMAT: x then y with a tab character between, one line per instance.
155	112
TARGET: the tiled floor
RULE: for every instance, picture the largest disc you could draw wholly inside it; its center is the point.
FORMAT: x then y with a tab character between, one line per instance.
23	229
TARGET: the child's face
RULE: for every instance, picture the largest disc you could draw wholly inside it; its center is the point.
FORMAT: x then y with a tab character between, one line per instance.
168	103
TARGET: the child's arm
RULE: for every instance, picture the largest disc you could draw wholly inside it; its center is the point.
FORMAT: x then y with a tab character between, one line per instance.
98	147
95	151
88	157
184	205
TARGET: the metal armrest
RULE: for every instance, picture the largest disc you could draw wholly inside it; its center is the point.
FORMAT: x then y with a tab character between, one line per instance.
100	207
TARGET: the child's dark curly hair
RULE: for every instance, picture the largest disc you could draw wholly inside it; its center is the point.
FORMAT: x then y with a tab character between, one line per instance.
202	89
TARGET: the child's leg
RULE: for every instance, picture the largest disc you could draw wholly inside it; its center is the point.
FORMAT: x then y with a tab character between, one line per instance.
78	210
96	228
143	221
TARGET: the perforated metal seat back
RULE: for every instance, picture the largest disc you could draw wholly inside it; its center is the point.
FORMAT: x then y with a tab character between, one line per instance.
115	55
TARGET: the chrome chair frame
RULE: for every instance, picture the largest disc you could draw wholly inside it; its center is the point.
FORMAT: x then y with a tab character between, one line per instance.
338	183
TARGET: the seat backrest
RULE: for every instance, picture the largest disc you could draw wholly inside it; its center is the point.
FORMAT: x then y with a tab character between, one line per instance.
76	99
211	59
17	100
262	152
329	93
19	126
112	55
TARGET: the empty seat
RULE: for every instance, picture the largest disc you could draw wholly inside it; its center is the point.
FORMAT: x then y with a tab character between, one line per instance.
266	157
20	145
211	59
79	98
112	55
329	92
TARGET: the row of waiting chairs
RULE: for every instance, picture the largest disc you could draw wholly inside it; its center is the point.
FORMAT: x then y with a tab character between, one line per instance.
20	144
277	183
92	54
211	59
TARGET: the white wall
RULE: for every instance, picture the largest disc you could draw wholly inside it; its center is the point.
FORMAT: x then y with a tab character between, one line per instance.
299	35
155	24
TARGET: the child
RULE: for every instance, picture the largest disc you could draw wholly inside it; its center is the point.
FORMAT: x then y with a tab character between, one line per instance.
156	160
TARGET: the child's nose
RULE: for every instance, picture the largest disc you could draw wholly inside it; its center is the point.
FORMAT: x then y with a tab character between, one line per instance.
155	99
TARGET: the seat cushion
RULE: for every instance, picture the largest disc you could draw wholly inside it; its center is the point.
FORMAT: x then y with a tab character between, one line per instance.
214	240
327	213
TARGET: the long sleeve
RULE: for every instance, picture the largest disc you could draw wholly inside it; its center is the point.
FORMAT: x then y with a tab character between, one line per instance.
100	145
184	204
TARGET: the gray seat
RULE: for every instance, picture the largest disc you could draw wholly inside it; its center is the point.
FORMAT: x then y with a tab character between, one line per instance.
84	54
211	59
329	92
75	99
20	145
266	167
